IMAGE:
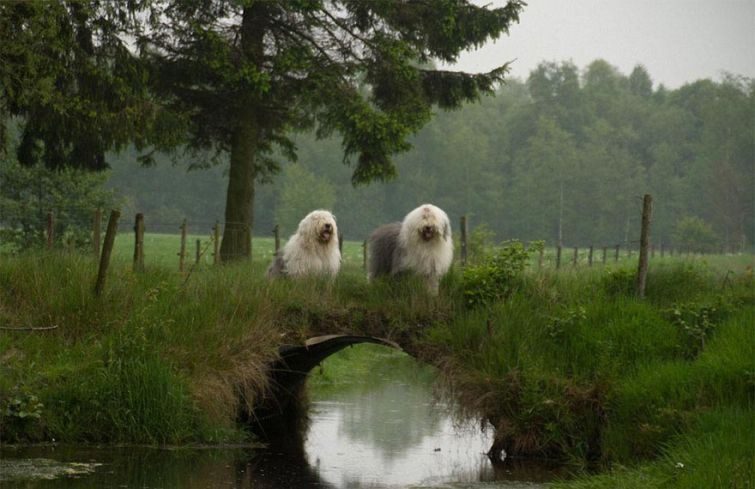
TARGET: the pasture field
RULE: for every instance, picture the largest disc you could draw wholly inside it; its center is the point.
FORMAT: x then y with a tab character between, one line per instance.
161	250
567	365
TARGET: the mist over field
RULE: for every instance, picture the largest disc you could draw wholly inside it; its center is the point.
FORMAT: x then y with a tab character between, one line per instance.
571	146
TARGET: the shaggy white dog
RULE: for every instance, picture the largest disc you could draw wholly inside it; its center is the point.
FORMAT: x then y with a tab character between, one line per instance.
312	250
420	244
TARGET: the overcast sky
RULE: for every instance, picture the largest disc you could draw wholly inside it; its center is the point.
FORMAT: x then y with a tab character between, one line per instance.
677	40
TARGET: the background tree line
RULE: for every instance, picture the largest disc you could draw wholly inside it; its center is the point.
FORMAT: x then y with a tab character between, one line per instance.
568	153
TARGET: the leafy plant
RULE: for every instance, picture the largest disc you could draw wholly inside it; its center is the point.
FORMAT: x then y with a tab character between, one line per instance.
618	282
558	325
498	275
19	412
698	322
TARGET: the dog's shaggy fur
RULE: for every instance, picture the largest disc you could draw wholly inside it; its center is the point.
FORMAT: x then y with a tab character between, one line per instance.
420	244
312	250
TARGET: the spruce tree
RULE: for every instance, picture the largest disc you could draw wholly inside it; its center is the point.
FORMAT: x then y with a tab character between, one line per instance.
243	75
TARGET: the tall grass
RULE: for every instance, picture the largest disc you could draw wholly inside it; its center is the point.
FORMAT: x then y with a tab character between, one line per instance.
152	360
568	365
162	357
573	366
716	452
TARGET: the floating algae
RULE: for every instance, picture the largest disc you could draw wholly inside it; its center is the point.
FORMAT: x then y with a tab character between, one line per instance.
42	469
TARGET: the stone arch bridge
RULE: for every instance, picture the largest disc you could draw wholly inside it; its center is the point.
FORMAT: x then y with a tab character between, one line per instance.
279	419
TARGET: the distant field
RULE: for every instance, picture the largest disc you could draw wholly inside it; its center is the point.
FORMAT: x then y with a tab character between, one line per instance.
162	249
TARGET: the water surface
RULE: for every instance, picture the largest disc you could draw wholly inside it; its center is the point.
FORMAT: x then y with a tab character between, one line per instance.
374	423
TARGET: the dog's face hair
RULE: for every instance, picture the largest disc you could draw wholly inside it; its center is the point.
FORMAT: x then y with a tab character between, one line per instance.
432	225
320	223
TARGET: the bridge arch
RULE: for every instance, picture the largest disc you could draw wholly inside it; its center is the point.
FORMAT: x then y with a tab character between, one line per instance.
279	418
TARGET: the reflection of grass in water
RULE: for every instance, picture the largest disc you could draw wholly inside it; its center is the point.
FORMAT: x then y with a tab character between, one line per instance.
386	398
362	368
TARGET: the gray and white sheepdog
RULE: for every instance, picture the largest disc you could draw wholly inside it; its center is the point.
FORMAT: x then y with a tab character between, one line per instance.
420	244
312	250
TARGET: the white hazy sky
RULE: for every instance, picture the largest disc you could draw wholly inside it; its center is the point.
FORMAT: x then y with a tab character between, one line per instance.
678	41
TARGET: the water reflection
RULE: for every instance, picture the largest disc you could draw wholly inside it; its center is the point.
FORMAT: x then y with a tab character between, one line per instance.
378	426
150	468
373	425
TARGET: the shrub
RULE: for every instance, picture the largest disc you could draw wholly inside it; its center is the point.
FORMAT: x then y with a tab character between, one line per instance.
618	282
498	275
27	194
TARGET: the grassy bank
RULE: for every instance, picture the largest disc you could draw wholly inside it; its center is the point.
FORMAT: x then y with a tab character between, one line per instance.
565	365
572	366
163	357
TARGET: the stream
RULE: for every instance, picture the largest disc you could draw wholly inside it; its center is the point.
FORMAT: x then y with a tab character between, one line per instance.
374	423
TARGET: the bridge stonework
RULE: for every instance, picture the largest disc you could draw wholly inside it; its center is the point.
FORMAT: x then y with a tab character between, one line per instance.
279	418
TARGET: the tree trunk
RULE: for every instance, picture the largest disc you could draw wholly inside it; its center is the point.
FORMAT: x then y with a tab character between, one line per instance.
239	204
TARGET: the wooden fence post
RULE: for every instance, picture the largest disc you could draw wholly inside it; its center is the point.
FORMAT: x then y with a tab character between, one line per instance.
96	234
463	238
182	249
605	254
199	251
50	229
642	270
616	257
576	256
589	256
139	243
216	243
107	249
340	243
662	250
558	257
364	255
276	236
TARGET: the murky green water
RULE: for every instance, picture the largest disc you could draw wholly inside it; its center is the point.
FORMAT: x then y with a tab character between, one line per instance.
374	424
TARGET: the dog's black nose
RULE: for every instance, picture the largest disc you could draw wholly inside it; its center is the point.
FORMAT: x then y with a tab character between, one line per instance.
327	226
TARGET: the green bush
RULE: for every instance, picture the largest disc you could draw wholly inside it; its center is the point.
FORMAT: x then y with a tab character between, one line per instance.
28	194
498	275
618	282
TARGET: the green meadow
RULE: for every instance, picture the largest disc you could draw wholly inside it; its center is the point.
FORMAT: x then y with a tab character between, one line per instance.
162	250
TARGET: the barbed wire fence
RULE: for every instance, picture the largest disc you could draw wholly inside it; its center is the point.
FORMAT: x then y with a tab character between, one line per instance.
194	245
